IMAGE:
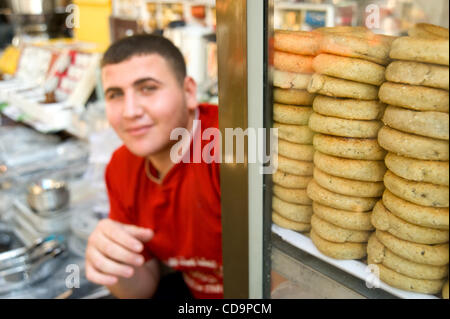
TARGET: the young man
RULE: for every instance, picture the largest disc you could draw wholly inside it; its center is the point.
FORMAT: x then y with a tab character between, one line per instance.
160	210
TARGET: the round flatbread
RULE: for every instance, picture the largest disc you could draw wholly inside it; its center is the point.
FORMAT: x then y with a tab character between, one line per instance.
414	146
290	80
337	234
294	196
431	217
352	69
436	255
384	220
292	97
295	133
279	220
297	42
349	187
356	43
360	170
348	108
343	127
352	148
429	124
343	218
379	254
403	282
334	87
418	98
344	251
421	50
299	152
434	172
291	114
295	63
290	166
428	31
350	203
419	193
290	181
416	73
294	212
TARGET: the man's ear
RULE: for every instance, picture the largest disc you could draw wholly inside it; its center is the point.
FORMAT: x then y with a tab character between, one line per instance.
190	91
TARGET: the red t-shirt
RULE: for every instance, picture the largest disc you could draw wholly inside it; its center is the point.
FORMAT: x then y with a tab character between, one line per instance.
183	211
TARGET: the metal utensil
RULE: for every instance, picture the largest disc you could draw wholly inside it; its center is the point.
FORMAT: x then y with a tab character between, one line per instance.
31	256
48	195
26	250
28	273
30	264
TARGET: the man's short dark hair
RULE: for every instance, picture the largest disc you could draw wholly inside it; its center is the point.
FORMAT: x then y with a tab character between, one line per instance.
144	44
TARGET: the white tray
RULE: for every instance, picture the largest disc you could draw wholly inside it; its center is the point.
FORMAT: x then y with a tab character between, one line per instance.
353	267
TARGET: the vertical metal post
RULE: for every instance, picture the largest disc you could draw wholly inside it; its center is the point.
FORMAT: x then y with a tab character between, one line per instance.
256	66
268	123
232	60
244	30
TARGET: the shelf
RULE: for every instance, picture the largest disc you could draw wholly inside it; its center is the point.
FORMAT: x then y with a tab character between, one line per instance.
280	7
303	6
355	268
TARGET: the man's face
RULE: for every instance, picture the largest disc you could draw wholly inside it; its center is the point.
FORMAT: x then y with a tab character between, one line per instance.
145	102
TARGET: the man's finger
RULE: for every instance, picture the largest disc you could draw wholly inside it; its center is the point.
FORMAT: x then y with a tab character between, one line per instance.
117	252
143	234
97	277
108	266
116	233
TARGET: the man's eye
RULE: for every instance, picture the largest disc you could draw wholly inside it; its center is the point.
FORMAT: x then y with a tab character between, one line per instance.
148	89
113	95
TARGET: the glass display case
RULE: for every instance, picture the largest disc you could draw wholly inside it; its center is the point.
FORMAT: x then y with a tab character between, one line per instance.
262	260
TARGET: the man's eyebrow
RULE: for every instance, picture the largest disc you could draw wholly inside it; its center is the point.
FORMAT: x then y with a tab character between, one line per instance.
135	83
140	81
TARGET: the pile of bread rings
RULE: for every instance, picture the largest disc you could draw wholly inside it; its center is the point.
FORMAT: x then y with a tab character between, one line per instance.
380	129
291	206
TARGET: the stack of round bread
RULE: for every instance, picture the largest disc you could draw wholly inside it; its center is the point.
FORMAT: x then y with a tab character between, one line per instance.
291	111
348	161
410	244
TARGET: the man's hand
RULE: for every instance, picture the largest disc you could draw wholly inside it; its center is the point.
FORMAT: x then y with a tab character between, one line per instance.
113	251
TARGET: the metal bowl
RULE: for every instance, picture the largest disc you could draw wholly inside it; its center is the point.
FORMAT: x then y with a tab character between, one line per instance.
48	195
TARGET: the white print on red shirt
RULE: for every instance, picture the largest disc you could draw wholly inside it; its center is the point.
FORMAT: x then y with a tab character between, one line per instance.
204	277
205	282
176	262
207	288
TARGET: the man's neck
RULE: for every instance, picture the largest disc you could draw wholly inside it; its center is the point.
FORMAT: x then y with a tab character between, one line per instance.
162	161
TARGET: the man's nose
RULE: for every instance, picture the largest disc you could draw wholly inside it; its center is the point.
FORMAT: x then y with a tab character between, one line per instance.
131	108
